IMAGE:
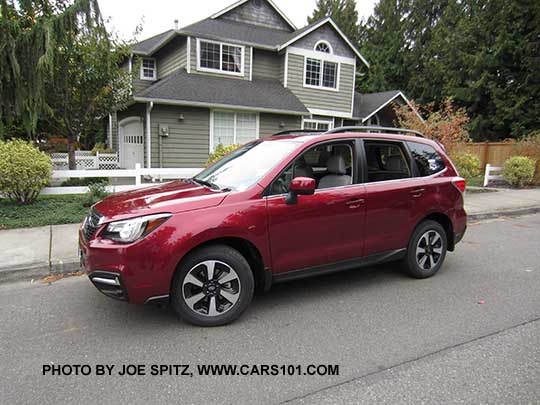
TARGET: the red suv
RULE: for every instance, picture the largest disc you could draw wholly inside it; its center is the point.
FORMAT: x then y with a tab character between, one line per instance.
280	208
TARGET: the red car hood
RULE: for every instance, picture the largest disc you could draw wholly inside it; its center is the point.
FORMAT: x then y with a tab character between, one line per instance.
176	196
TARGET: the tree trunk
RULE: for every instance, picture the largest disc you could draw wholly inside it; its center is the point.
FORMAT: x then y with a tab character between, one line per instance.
72	164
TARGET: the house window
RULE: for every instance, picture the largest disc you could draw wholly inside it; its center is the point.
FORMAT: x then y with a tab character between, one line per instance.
233	128
148	69
220	57
317	125
323	46
321	73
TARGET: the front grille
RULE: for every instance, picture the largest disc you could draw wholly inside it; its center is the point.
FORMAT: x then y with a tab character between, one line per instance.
91	224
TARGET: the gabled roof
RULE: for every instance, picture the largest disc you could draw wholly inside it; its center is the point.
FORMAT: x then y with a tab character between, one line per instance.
248	34
152	44
295	36
369	104
241	2
181	88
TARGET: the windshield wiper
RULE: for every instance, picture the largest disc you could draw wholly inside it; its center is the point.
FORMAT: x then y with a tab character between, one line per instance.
205	183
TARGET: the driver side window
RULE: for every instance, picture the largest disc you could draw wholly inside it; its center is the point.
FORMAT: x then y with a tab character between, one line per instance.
329	164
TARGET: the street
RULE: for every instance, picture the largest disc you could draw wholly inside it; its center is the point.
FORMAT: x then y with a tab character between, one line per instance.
471	333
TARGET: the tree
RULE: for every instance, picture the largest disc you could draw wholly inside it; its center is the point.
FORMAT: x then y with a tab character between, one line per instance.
63	69
343	12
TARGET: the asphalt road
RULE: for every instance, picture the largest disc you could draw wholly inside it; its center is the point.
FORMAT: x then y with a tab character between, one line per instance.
395	339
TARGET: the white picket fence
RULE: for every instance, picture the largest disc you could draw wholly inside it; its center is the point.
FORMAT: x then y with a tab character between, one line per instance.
489	176
153	175
84	159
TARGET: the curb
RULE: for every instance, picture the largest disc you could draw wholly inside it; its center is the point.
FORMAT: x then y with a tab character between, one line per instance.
43	270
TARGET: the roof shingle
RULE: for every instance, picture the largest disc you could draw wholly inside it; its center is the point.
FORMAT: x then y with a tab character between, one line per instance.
365	104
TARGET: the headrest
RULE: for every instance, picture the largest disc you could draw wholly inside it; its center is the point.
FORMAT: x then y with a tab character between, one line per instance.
336	165
394	163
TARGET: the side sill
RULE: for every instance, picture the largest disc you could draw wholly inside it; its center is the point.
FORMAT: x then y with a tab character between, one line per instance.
158	300
340	266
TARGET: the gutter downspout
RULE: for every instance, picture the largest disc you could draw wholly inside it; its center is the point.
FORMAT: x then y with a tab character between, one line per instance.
160	145
110	132
149	108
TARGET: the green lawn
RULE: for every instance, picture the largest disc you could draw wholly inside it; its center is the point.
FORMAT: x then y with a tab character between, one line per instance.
47	210
477	181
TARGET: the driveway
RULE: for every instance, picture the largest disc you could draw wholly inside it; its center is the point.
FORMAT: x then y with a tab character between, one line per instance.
471	333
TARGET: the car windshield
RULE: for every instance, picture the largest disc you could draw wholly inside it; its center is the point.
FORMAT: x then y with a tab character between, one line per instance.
245	166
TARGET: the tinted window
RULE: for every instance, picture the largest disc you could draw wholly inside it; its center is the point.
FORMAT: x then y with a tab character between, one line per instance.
427	159
386	161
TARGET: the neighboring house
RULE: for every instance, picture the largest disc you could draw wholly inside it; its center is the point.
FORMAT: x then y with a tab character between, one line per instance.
245	72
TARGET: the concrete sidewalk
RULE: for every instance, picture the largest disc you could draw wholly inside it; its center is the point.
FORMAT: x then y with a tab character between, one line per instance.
37	252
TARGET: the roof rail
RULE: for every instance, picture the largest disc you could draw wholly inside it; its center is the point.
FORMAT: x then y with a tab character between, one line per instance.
299	131
375	128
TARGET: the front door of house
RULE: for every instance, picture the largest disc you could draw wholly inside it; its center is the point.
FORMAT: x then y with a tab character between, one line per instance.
131	140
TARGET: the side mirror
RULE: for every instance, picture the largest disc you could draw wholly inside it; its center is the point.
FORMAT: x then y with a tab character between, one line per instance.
300	186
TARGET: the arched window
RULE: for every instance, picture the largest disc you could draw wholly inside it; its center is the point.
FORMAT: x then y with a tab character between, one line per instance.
323	46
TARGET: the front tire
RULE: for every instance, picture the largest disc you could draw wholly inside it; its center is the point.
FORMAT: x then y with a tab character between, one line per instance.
427	250
213	286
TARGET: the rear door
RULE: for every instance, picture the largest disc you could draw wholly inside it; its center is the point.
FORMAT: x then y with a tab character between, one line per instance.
393	195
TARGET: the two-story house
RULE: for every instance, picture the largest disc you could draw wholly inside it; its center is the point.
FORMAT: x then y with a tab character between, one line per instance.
243	73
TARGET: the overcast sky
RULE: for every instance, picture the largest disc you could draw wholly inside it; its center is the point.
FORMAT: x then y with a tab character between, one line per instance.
159	15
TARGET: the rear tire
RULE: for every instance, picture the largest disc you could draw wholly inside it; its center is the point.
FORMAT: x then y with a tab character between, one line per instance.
427	250
212	286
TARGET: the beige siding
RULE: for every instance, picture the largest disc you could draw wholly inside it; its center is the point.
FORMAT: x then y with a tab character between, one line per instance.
247	63
340	101
267	64
171	57
188	141
270	124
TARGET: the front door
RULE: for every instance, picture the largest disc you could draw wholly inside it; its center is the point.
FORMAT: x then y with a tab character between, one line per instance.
323	228
131	143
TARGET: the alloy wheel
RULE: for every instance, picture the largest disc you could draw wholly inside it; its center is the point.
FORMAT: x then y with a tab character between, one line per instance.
429	250
211	288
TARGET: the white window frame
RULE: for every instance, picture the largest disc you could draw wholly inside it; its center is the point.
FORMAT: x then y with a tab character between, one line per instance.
235	112
220	71
320	57
142	70
317	121
325	43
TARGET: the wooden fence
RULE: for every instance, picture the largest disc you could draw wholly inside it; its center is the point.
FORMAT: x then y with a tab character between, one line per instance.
494	153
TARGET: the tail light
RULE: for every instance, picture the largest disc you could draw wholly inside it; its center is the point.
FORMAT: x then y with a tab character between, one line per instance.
460	183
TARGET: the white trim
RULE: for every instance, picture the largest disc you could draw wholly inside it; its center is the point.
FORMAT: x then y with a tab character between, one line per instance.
286	68
110	132
220	70
331	113
216	105
398	94
320	55
322	22
250	63
320	86
188	56
322	41
239	3
130	63
142	77
353	88
211	145
330	121
149	108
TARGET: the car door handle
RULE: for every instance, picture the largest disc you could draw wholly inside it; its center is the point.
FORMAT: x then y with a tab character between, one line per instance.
355	203
417	193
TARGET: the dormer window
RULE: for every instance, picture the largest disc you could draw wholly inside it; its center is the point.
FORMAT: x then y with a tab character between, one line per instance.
323	46
148	69
220	57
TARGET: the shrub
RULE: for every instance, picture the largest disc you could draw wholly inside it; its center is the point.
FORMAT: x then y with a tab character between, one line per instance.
96	192
85	181
101	148
24	171
530	146
467	164
220	151
519	170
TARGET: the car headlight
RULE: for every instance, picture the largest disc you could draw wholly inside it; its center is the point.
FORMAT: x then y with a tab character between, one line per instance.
130	230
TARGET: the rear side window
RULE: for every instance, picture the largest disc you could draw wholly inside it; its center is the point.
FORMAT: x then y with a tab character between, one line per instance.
427	159
386	161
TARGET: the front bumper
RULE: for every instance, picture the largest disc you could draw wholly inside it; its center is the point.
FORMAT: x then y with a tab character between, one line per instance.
109	284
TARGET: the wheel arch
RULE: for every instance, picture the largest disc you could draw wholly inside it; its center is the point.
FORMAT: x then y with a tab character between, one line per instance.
261	273
446	223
